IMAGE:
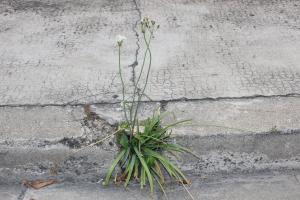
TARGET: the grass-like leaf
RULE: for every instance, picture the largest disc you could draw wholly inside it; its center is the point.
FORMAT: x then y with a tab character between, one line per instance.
141	155
146	168
113	166
131	166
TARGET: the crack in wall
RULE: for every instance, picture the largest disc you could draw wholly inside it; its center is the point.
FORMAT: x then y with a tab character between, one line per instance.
182	99
134	29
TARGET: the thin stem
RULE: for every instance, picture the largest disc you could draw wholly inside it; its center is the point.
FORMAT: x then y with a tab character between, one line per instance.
147	77
123	85
136	84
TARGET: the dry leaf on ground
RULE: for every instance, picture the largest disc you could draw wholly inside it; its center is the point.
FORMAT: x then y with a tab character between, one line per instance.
37	184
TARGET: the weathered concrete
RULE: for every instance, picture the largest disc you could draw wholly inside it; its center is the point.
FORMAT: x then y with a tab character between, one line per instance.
86	192
43	125
40	123
10	192
224	48
253	187
232	66
54	52
57	162
228	136
234	116
63	51
216	154
267	187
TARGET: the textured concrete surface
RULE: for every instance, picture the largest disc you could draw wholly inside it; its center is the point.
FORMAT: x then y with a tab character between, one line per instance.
87	192
232	66
10	192
228	136
59	52
268	186
237	116
216	154
232	116
62	51
40	123
224	48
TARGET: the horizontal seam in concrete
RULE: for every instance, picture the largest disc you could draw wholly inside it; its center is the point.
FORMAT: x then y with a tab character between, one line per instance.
46	142
183	99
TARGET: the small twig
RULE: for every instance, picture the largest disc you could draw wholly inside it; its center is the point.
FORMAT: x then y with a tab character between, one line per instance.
99	141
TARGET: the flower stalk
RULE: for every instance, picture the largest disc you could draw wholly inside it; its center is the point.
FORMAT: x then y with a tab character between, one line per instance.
142	142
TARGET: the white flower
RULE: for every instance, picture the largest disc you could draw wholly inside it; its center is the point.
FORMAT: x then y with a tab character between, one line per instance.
120	39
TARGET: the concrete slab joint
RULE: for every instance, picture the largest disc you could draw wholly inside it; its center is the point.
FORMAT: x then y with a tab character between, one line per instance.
230	66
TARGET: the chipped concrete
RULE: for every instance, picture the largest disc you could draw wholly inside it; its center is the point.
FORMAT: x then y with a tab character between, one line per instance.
63	164
220	149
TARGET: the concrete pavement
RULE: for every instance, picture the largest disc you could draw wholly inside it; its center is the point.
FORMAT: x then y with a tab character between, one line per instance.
268	186
230	66
60	52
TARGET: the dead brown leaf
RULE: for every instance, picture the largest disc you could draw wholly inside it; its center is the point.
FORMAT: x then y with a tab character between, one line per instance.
37	184
186	182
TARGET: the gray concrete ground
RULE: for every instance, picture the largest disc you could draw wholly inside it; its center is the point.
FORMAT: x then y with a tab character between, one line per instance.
230	66
267	186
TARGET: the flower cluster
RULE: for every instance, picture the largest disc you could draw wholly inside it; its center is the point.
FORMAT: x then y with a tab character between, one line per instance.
148	24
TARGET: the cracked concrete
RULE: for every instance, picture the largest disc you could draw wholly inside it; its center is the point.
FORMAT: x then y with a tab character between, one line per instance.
232	66
265	136
65	53
136	30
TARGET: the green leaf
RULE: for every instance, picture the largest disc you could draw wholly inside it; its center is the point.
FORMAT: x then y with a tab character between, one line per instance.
150	178
143	177
113	166
160	183
171	168
124	140
130	169
125	157
180	148
158	171
136	168
176	123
